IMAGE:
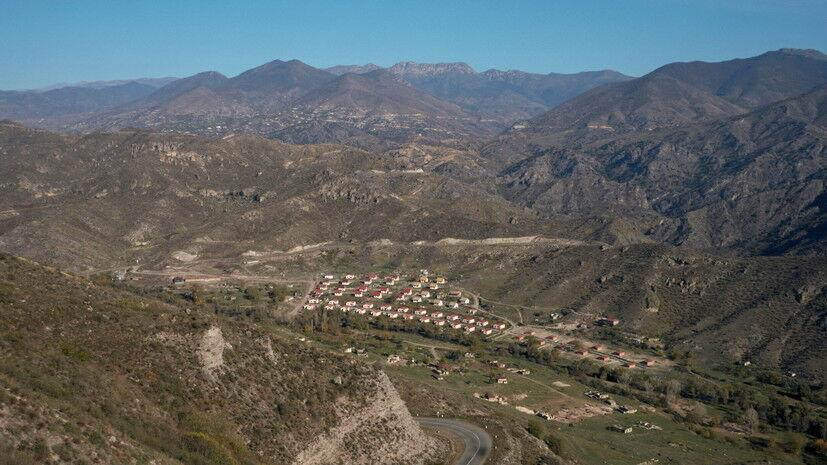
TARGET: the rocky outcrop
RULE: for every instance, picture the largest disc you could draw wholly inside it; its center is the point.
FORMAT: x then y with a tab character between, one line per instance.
382	431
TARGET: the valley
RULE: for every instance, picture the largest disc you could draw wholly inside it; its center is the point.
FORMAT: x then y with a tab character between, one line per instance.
418	264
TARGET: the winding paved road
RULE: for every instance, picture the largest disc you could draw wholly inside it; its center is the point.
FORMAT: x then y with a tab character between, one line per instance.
477	441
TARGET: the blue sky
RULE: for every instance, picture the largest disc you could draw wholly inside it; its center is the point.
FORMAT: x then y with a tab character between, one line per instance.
44	42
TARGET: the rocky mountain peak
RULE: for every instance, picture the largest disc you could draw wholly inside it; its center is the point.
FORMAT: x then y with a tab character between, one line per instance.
410	68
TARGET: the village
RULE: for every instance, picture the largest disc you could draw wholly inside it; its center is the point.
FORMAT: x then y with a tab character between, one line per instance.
425	299
429	299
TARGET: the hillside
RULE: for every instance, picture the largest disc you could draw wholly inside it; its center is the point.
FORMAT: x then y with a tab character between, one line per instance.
377	108
104	198
682	93
99	374
752	182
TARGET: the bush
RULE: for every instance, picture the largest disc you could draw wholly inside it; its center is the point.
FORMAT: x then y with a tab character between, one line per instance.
554	444
536	429
208	447
818	447
74	352
793	443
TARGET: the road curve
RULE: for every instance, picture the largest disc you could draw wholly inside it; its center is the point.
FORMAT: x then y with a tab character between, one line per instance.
477	441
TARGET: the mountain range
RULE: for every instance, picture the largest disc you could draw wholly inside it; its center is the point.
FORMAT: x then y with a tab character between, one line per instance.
688	203
723	158
365	106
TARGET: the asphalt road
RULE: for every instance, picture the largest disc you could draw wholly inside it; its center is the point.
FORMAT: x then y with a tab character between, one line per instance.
477	441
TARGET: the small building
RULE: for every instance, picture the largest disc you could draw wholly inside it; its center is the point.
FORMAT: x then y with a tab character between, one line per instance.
502	380
649	363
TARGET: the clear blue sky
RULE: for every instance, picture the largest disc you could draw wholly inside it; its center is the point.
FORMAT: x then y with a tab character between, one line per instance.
44	42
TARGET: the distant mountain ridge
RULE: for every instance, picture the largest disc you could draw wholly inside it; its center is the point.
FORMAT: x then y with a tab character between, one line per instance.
356	69
505	96
68	103
152	82
446	103
682	93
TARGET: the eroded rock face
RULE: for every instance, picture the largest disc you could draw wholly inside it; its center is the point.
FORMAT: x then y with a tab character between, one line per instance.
211	351
383	431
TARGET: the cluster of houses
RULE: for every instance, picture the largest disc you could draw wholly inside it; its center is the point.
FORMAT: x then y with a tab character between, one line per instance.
424	300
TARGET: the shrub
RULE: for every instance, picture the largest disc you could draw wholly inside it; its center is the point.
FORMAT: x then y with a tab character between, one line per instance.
74	352
536	429
208	447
